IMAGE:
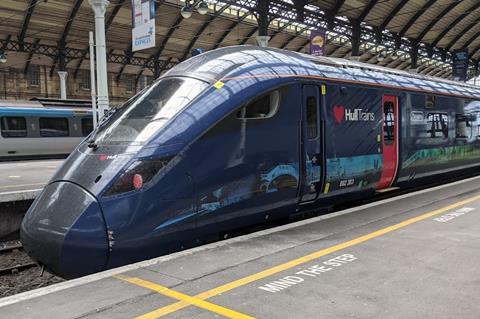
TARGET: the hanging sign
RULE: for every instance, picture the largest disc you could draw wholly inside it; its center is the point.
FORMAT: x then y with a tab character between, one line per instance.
460	64
318	42
143	24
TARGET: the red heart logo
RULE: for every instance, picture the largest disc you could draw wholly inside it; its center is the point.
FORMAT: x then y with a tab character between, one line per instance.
339	113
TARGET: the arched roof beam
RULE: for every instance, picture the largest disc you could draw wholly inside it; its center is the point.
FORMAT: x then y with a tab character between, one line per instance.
282	28
335	50
108	23
202	29
303	46
366	10
436	19
461	34
337	7
63	40
332	13
471	40
172	29
474	51
232	27
417	15
454	23
31	7
293	37
392	14
248	36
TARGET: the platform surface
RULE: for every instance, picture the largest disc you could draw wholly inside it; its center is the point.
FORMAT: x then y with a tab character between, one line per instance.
20	180
413	256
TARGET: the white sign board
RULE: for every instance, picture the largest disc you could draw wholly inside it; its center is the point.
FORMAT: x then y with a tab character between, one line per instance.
143	24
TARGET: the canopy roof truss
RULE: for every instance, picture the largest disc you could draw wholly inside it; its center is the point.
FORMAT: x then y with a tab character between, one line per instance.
402	34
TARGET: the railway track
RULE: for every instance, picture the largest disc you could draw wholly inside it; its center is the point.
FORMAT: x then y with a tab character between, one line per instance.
15	247
18	273
17	268
9	247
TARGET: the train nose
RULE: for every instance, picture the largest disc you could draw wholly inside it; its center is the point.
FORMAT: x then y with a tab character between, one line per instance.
64	229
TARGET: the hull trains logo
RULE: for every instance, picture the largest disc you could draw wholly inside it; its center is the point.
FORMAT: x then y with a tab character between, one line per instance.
342	114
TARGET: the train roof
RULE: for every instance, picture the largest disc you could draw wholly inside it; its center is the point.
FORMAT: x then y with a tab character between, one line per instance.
257	62
46	105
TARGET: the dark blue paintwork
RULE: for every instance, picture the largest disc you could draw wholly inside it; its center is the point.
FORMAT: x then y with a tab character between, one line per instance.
223	172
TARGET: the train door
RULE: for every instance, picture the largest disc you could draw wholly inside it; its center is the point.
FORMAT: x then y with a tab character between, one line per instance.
311	161
390	141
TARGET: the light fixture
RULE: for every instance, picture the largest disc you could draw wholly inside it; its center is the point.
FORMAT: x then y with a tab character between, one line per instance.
186	10
394	56
3	57
202	8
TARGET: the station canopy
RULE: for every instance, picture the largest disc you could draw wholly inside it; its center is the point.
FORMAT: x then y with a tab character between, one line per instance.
417	35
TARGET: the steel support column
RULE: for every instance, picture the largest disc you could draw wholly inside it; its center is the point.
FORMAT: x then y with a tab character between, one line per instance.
263	21
99	7
414	55
355	40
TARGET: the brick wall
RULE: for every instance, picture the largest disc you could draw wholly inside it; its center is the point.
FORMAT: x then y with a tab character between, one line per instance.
15	85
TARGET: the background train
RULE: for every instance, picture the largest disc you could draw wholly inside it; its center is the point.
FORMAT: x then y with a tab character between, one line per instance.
42	128
240	135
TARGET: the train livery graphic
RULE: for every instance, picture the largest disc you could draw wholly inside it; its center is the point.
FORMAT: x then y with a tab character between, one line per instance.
237	135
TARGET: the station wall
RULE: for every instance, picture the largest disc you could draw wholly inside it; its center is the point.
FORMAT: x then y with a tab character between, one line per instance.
37	82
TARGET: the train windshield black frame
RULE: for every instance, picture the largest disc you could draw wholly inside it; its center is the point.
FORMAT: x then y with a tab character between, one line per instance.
141	117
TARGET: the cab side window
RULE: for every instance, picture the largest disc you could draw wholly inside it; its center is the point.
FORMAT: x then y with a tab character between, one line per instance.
266	106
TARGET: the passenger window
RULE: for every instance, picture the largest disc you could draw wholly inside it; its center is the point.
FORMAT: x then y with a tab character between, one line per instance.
13	126
388	123
437	125
87	126
312	124
53	127
463	126
264	107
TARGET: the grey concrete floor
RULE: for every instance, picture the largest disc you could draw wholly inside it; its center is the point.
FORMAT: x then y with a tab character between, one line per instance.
416	256
26	175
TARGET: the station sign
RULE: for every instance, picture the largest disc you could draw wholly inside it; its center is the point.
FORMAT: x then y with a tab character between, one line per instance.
318	42
460	64
143	24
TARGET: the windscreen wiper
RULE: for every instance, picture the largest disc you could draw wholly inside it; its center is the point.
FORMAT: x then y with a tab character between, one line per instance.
92	143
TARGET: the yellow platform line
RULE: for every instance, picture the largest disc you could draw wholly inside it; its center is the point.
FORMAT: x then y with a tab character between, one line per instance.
185	298
302	260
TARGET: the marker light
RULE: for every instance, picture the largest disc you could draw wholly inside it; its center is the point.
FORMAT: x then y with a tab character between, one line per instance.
137	181
137	175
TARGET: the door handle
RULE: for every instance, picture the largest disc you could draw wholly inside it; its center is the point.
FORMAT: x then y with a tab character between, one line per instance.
317	159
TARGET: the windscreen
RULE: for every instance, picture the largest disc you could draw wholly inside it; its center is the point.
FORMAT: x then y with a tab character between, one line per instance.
145	114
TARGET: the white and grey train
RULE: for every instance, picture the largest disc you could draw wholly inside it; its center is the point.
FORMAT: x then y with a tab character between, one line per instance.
42	128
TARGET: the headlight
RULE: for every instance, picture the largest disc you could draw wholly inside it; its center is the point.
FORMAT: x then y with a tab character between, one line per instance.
137	175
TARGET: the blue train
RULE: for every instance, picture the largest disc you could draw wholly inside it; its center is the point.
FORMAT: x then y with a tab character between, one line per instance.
239	135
